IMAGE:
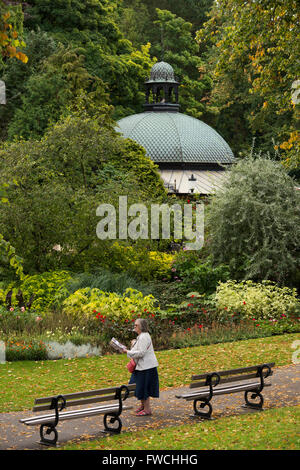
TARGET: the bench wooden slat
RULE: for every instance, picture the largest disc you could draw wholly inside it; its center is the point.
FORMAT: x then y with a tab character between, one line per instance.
37	420
229	379
87	393
221	390
84	401
232	371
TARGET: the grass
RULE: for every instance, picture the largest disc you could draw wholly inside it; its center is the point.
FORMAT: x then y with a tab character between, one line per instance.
273	429
21	382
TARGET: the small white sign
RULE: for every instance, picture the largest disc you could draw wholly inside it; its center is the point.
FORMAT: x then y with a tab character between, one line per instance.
2	93
2	352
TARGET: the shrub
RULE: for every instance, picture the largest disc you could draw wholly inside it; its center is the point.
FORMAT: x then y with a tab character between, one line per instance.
45	288
89	301
199	274
248	299
104	280
25	351
138	262
18	320
254	222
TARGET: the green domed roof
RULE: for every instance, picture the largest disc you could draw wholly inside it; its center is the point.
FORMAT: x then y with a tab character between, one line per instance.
173	137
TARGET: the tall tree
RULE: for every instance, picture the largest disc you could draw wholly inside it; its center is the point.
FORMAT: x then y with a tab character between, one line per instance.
254	53
91	26
254	222
177	46
80	163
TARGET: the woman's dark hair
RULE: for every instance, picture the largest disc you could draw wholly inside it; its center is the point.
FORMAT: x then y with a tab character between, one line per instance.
143	325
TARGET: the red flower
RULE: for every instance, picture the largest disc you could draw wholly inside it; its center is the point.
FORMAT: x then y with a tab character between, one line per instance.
244	302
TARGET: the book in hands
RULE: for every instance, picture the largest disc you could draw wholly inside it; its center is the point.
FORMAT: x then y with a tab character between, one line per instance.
117	345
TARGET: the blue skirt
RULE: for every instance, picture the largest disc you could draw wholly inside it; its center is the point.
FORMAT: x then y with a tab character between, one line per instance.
147	383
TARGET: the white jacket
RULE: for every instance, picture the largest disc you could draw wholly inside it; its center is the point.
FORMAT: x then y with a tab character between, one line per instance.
143	353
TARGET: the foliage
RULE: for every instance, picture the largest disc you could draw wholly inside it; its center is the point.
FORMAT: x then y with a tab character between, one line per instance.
8	256
81	161
18	320
136	17
45	287
254	66
108	55
39	46
25	351
198	273
257	301
56	84
104	280
178	48
138	262
91	302
11	24
254	222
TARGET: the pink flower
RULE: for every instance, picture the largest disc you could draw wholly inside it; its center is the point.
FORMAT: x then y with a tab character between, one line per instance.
22	309
11	309
37	319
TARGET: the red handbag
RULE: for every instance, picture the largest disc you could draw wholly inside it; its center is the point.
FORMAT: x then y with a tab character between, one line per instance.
131	365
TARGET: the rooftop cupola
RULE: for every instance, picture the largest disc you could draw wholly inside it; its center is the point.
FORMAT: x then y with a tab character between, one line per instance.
162	89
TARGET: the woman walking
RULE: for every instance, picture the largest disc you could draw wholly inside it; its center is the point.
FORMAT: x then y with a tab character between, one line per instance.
145	375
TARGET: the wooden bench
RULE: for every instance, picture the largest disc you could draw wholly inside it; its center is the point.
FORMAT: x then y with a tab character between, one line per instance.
249	379
56	404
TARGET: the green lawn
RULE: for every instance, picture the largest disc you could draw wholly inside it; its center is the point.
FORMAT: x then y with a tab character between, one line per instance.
273	429
21	382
